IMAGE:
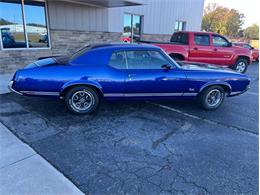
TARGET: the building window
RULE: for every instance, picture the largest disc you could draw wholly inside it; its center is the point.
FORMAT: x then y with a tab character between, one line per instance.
180	26
23	24
132	27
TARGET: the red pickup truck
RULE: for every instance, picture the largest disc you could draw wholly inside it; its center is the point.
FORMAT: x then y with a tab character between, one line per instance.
206	47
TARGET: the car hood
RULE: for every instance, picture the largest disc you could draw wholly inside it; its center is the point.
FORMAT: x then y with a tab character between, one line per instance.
204	67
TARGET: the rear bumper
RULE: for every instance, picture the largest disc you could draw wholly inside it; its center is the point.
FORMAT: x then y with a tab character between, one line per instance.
10	86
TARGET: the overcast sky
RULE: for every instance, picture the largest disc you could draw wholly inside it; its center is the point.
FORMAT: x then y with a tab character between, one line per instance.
248	7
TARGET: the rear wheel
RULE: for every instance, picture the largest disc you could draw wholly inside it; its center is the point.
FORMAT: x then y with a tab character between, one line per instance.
82	100
212	97
241	65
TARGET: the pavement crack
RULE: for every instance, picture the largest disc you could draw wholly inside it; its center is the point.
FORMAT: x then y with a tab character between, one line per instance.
186	126
22	159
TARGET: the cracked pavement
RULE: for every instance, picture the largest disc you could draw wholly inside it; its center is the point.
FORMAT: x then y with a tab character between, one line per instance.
145	147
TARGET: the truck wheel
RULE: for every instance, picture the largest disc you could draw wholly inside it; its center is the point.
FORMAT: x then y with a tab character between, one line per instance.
82	100
241	65
212	97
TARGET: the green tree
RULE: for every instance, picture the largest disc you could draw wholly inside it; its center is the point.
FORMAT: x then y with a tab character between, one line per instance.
252	32
4	22
222	20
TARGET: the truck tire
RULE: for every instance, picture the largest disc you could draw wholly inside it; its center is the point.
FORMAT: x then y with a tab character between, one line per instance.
241	65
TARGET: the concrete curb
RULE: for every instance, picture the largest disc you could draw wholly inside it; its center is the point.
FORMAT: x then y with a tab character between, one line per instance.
4	80
23	171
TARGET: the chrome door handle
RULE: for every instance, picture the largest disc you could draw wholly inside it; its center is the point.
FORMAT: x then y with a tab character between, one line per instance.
131	75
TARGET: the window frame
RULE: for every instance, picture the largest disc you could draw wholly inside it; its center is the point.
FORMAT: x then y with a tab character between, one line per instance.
184	23
126	64
160	52
198	34
25	31
132	25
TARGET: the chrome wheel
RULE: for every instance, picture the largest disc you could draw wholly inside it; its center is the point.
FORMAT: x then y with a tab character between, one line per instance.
82	100
241	66
214	98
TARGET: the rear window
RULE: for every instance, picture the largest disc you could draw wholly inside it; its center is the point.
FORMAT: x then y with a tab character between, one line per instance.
80	52
181	38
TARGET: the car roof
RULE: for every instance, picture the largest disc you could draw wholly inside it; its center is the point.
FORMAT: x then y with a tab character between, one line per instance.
199	32
115	46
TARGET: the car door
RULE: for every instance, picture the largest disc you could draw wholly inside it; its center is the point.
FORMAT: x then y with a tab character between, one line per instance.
147	78
200	48
222	50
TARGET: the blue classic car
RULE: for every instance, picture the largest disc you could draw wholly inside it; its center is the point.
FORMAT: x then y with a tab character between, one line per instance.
125	71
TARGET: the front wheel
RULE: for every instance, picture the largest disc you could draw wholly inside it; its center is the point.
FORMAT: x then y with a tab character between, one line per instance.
82	100
241	65
212	97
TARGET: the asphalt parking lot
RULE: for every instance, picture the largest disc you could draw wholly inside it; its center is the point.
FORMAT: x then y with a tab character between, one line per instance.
145	147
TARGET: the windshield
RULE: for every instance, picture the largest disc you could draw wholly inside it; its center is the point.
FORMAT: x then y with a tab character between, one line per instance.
172	60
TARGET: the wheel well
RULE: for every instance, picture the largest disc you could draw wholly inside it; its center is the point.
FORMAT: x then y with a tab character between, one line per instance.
96	89
244	57
176	55
225	87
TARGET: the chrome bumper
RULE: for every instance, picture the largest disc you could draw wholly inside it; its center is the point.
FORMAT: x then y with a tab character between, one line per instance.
10	86
239	92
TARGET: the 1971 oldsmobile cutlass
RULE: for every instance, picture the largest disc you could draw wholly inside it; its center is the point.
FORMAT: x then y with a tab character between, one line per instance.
125	71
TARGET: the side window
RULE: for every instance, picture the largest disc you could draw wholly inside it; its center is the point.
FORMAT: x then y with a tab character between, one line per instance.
117	60
201	40
219	41
145	59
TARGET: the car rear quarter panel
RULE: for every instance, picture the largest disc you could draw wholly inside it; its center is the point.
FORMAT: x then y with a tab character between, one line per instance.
57	78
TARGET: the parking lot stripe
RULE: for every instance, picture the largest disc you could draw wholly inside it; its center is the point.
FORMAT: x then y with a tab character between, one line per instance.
252	93
203	119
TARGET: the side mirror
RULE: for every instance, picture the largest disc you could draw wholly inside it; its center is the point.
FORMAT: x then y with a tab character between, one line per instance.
229	44
252	48
166	67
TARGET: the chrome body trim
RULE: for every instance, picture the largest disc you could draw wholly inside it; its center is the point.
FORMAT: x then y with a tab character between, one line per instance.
41	93
235	93
10	86
147	94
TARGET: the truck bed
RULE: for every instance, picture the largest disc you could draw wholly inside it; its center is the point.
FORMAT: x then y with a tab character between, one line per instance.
160	42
